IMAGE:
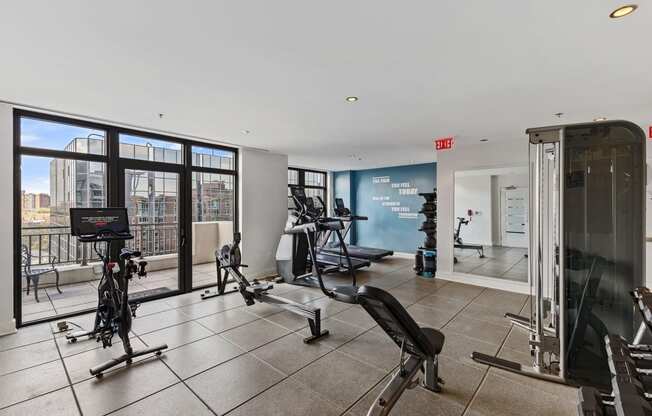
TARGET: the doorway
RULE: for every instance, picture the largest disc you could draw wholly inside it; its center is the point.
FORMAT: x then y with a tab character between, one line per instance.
514	224
152	196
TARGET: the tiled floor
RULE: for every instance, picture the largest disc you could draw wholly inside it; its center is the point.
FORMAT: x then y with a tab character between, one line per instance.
81	296
504	262
226	358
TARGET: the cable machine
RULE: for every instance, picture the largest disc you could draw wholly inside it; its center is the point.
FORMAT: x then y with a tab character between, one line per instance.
587	242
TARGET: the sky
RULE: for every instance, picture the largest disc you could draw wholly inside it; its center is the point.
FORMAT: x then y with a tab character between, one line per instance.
35	171
35	174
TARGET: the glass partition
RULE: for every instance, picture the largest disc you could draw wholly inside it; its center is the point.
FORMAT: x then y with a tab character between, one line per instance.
603	234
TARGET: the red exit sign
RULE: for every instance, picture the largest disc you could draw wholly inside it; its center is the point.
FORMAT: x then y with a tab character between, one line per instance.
444	143
650	134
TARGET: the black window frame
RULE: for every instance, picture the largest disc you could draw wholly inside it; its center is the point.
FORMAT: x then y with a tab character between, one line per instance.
114	163
302	180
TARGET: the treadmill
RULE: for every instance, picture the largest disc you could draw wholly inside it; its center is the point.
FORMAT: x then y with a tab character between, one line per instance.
328	262
334	260
368	253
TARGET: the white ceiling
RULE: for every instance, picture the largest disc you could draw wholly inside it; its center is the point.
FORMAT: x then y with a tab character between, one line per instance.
422	69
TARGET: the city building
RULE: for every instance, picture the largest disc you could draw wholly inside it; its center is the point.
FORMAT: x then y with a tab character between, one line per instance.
41	201
35	201
152	197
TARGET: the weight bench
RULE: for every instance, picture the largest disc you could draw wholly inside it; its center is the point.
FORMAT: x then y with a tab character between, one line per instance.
422	346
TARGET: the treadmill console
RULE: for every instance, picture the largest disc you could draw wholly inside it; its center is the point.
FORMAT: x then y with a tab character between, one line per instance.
303	202
298	194
340	209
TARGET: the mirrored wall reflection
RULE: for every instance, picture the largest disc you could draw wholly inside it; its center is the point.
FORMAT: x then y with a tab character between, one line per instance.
491	223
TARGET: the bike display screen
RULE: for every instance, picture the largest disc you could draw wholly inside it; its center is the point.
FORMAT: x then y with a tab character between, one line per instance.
95	221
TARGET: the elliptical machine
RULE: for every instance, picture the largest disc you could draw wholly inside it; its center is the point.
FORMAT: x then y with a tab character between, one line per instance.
114	312
297	256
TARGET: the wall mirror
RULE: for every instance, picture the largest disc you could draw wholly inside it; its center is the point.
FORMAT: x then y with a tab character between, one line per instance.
491	223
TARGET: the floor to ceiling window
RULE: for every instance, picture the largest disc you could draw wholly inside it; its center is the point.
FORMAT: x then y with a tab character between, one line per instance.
176	192
213	209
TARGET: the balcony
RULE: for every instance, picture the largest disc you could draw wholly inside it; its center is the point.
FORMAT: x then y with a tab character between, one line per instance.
80	270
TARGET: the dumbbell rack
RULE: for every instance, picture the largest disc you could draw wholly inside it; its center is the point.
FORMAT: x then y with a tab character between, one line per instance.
426	256
631	371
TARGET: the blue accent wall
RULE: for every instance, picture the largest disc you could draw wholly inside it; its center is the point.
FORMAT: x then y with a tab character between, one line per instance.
389	197
342	189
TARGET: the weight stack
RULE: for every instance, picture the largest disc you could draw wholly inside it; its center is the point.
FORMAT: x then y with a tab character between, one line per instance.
426	256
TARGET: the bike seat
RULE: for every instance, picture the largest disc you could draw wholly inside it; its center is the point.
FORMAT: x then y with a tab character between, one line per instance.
259	288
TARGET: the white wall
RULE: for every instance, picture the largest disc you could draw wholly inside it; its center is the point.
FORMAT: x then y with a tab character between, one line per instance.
480	156
208	236
648	219
7	323
263	208
474	193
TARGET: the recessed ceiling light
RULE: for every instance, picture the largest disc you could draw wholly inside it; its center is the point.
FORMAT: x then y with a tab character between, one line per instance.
600	119
484	140
623	11
246	131
351	99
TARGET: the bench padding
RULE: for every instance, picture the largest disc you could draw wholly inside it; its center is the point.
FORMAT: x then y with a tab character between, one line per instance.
398	324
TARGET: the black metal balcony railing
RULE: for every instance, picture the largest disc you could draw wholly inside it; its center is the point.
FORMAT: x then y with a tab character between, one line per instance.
51	241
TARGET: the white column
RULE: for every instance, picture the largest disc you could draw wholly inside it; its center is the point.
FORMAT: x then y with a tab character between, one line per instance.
7	322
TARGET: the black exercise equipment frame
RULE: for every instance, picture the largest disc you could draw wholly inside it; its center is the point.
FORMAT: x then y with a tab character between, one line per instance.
344	214
421	345
457	240
114	312
229	264
309	224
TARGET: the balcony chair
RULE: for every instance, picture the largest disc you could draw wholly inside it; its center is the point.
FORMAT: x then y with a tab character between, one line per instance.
33	274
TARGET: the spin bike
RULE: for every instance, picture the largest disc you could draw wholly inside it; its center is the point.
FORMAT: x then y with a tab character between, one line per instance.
114	312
